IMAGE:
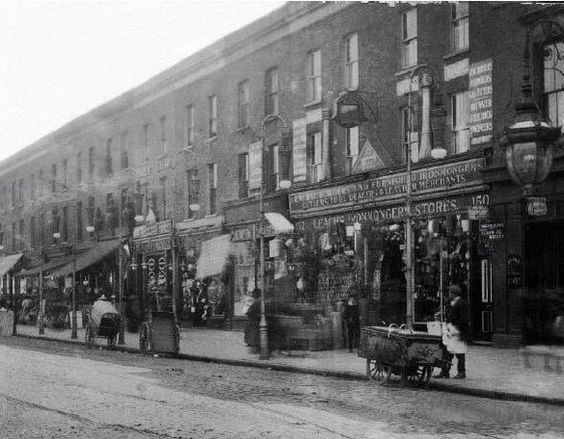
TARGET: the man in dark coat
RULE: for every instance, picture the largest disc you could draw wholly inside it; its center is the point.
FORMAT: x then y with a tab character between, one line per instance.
351	322
456	333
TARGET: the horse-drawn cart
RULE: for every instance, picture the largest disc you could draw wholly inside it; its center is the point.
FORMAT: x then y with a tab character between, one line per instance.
103	322
390	350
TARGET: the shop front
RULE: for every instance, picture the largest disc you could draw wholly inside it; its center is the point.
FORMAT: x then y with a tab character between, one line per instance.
350	241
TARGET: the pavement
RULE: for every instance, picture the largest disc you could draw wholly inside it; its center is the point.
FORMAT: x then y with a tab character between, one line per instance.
532	374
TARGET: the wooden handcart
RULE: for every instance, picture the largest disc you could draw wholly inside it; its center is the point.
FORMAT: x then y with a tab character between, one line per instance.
391	350
159	334
104	322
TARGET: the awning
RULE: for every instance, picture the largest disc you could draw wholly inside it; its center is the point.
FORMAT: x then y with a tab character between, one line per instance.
279	223
48	266
213	256
90	257
7	262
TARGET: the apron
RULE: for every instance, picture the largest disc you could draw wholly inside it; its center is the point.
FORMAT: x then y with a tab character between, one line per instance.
452	341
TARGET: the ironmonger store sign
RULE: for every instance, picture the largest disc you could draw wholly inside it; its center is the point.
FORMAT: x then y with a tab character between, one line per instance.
428	180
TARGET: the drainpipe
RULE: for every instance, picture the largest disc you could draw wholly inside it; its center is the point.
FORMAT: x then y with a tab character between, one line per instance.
425	145
325	117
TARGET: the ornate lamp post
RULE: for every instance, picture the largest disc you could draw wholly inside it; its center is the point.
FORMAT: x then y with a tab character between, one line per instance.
528	141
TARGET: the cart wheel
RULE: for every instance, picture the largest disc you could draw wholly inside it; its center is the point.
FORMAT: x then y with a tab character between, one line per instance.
89	336
144	340
420	374
376	371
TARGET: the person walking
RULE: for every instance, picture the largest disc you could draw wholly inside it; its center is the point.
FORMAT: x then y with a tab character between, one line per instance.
252	326
456	333
351	321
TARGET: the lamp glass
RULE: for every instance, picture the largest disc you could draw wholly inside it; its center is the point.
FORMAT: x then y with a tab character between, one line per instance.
285	184
139	218
438	153
90	229
56	235
194	207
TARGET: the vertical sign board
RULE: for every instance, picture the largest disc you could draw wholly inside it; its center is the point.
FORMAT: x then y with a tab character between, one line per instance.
480	97
299	149
255	165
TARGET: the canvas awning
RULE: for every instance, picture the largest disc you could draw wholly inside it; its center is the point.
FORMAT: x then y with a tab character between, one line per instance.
213	256
48	266
279	223
90	257
8	262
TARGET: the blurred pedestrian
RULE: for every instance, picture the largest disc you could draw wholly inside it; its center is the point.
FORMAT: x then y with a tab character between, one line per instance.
351	322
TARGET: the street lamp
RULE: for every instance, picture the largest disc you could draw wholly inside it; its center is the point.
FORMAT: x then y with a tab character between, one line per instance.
528	141
283	184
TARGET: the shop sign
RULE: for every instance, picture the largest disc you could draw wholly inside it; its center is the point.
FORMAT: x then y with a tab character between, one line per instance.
242	235
478	212
368	159
492	231
480	93
147	230
427	180
536	206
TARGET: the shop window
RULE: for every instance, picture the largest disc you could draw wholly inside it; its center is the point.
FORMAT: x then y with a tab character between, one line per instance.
212	185
460	114
409	38
314	76
351	62
243	175
212	118
109	158
271	89
459	26
553	55
353	143
243	104
315	157
189	125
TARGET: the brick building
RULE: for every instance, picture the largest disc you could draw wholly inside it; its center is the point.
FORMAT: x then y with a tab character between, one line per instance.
425	78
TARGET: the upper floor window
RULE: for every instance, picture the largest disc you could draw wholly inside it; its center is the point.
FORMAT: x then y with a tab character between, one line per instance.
79	167
409	137
351	62
314	76
21	190
162	184
91	162
271	89
192	190
243	96
32	233
32	187
315	157
124	150
460	115
41	183
146	141
53	178
163	135
21	235
109	162
459	26
352	142
212	183
189	125
409	38
553	55
243	175
272	175
212	112
65	170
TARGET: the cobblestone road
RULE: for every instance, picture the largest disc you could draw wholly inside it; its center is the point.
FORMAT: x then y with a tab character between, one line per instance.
53	390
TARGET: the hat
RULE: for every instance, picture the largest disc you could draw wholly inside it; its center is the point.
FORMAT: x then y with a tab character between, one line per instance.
455	290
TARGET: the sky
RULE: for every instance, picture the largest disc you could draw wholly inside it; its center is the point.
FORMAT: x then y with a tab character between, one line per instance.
60	59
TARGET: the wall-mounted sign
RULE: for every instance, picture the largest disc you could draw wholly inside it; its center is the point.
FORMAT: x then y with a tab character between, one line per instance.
480	92
478	212
152	229
368	159
513	271
427	180
492	231
536	206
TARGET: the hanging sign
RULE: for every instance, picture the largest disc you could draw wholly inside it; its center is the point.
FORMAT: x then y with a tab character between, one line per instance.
480	92
536	206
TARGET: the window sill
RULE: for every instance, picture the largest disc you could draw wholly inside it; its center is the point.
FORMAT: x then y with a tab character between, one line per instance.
313	104
456	53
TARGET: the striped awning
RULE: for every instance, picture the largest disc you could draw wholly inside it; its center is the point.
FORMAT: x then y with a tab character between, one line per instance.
214	255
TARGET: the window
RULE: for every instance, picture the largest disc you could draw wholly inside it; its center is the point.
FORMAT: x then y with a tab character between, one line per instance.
41	183
91	162
553	55
3	201
314	76
14	194
163	135
459	26
243	175
162	184
79	222
32	232
315	156
352	142
146	141
42	227
272	175
272	88
124	150
53	178
409	138
14	248
79	167
212	110
192	190
460	113
32	187
20	190
243	104
145	192
189	125
212	177
409	38
65	166
109	163
351	62
21	234
65	231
